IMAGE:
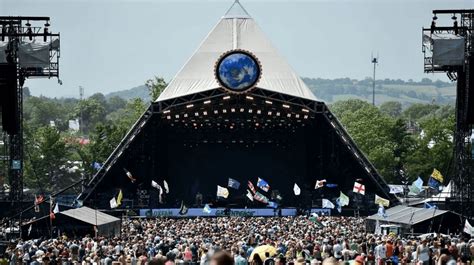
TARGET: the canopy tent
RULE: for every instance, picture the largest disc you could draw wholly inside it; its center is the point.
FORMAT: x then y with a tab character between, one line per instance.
419	220
73	222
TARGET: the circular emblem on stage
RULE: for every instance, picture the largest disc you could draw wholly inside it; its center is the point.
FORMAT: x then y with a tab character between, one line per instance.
238	70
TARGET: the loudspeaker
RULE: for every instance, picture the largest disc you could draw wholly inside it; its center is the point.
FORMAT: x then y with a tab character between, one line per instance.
9	98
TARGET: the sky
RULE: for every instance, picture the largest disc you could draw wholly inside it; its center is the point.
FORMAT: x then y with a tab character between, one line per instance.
111	45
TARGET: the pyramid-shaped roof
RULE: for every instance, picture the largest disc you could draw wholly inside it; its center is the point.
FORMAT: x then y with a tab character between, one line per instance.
236	30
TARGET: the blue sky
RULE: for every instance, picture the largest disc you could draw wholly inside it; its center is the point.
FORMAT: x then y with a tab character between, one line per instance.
114	45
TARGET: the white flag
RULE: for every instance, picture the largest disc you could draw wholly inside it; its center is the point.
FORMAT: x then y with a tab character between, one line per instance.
160	193
319	184
165	184
249	195
468	229
113	203
29	229
296	189
394	189
328	204
222	192
206	209
56	208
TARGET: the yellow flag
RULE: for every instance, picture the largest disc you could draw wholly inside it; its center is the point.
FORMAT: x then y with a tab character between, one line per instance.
119	198
437	175
381	201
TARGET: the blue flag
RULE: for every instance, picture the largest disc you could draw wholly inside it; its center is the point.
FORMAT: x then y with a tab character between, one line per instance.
430	206
262	184
273	205
96	165
433	183
232	183
338	205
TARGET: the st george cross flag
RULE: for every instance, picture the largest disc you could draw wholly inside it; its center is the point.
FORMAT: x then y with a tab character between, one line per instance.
394	189
260	197
328	204
381	201
262	184
165	185
232	183
437	175
113	203
296	189
251	186
222	192
249	195
468	229
359	188
319	184
343	199
207	209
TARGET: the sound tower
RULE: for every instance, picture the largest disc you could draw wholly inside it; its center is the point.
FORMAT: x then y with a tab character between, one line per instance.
9	98
470	98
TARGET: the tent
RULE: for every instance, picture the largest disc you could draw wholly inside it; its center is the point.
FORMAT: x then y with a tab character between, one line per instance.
198	133
73	223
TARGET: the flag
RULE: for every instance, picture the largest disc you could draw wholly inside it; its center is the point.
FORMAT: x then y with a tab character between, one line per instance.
468	229
416	187
249	195
314	219
251	186
96	165
206	209
183	210
296	189
78	203
343	199
119	198
319	184
262	184
56	208
155	185
260	197
394	189
433	183
378	229
29	229
338	205
165	185
113	203
331	185
273	205
232	183
359	188
429	206
328	204
381	201
381	211
129	175
437	175
160	190
222	192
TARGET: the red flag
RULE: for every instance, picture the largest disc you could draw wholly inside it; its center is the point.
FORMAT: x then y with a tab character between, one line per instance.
252	187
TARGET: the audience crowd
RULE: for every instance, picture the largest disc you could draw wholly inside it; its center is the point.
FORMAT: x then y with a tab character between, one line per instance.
240	240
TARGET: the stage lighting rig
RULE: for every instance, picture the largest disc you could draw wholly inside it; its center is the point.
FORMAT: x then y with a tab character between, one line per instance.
449	49
27	50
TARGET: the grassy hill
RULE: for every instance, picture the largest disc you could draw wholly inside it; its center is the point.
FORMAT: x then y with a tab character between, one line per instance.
332	90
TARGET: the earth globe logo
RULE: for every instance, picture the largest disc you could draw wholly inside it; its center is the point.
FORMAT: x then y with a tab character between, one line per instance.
238	70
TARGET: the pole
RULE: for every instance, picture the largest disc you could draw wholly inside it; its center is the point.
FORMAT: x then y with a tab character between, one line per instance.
374	61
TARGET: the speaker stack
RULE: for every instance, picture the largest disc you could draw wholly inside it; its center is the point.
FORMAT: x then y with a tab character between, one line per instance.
9	98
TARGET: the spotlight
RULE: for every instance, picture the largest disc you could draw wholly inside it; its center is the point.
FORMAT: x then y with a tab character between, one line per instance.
166	111
268	102
232	110
433	26
189	106
249	97
259	111
286	106
226	97
215	111
304	110
207	102
454	17
45	34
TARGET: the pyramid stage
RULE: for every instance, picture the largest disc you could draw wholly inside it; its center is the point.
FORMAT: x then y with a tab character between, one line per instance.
235	110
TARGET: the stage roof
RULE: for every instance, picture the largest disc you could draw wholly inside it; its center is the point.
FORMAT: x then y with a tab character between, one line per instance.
90	216
408	215
236	30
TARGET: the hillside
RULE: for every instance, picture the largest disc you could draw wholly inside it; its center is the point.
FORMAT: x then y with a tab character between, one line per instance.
332	90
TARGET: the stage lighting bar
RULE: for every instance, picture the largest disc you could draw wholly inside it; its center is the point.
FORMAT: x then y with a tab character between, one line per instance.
207	102
305	110
226	97
249	97
189	106
268	102
166	111
286	106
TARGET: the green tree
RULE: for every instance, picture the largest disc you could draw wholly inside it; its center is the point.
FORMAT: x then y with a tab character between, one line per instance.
92	112
391	108
155	87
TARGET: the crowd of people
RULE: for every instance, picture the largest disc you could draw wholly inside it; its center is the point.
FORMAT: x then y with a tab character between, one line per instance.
240	240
